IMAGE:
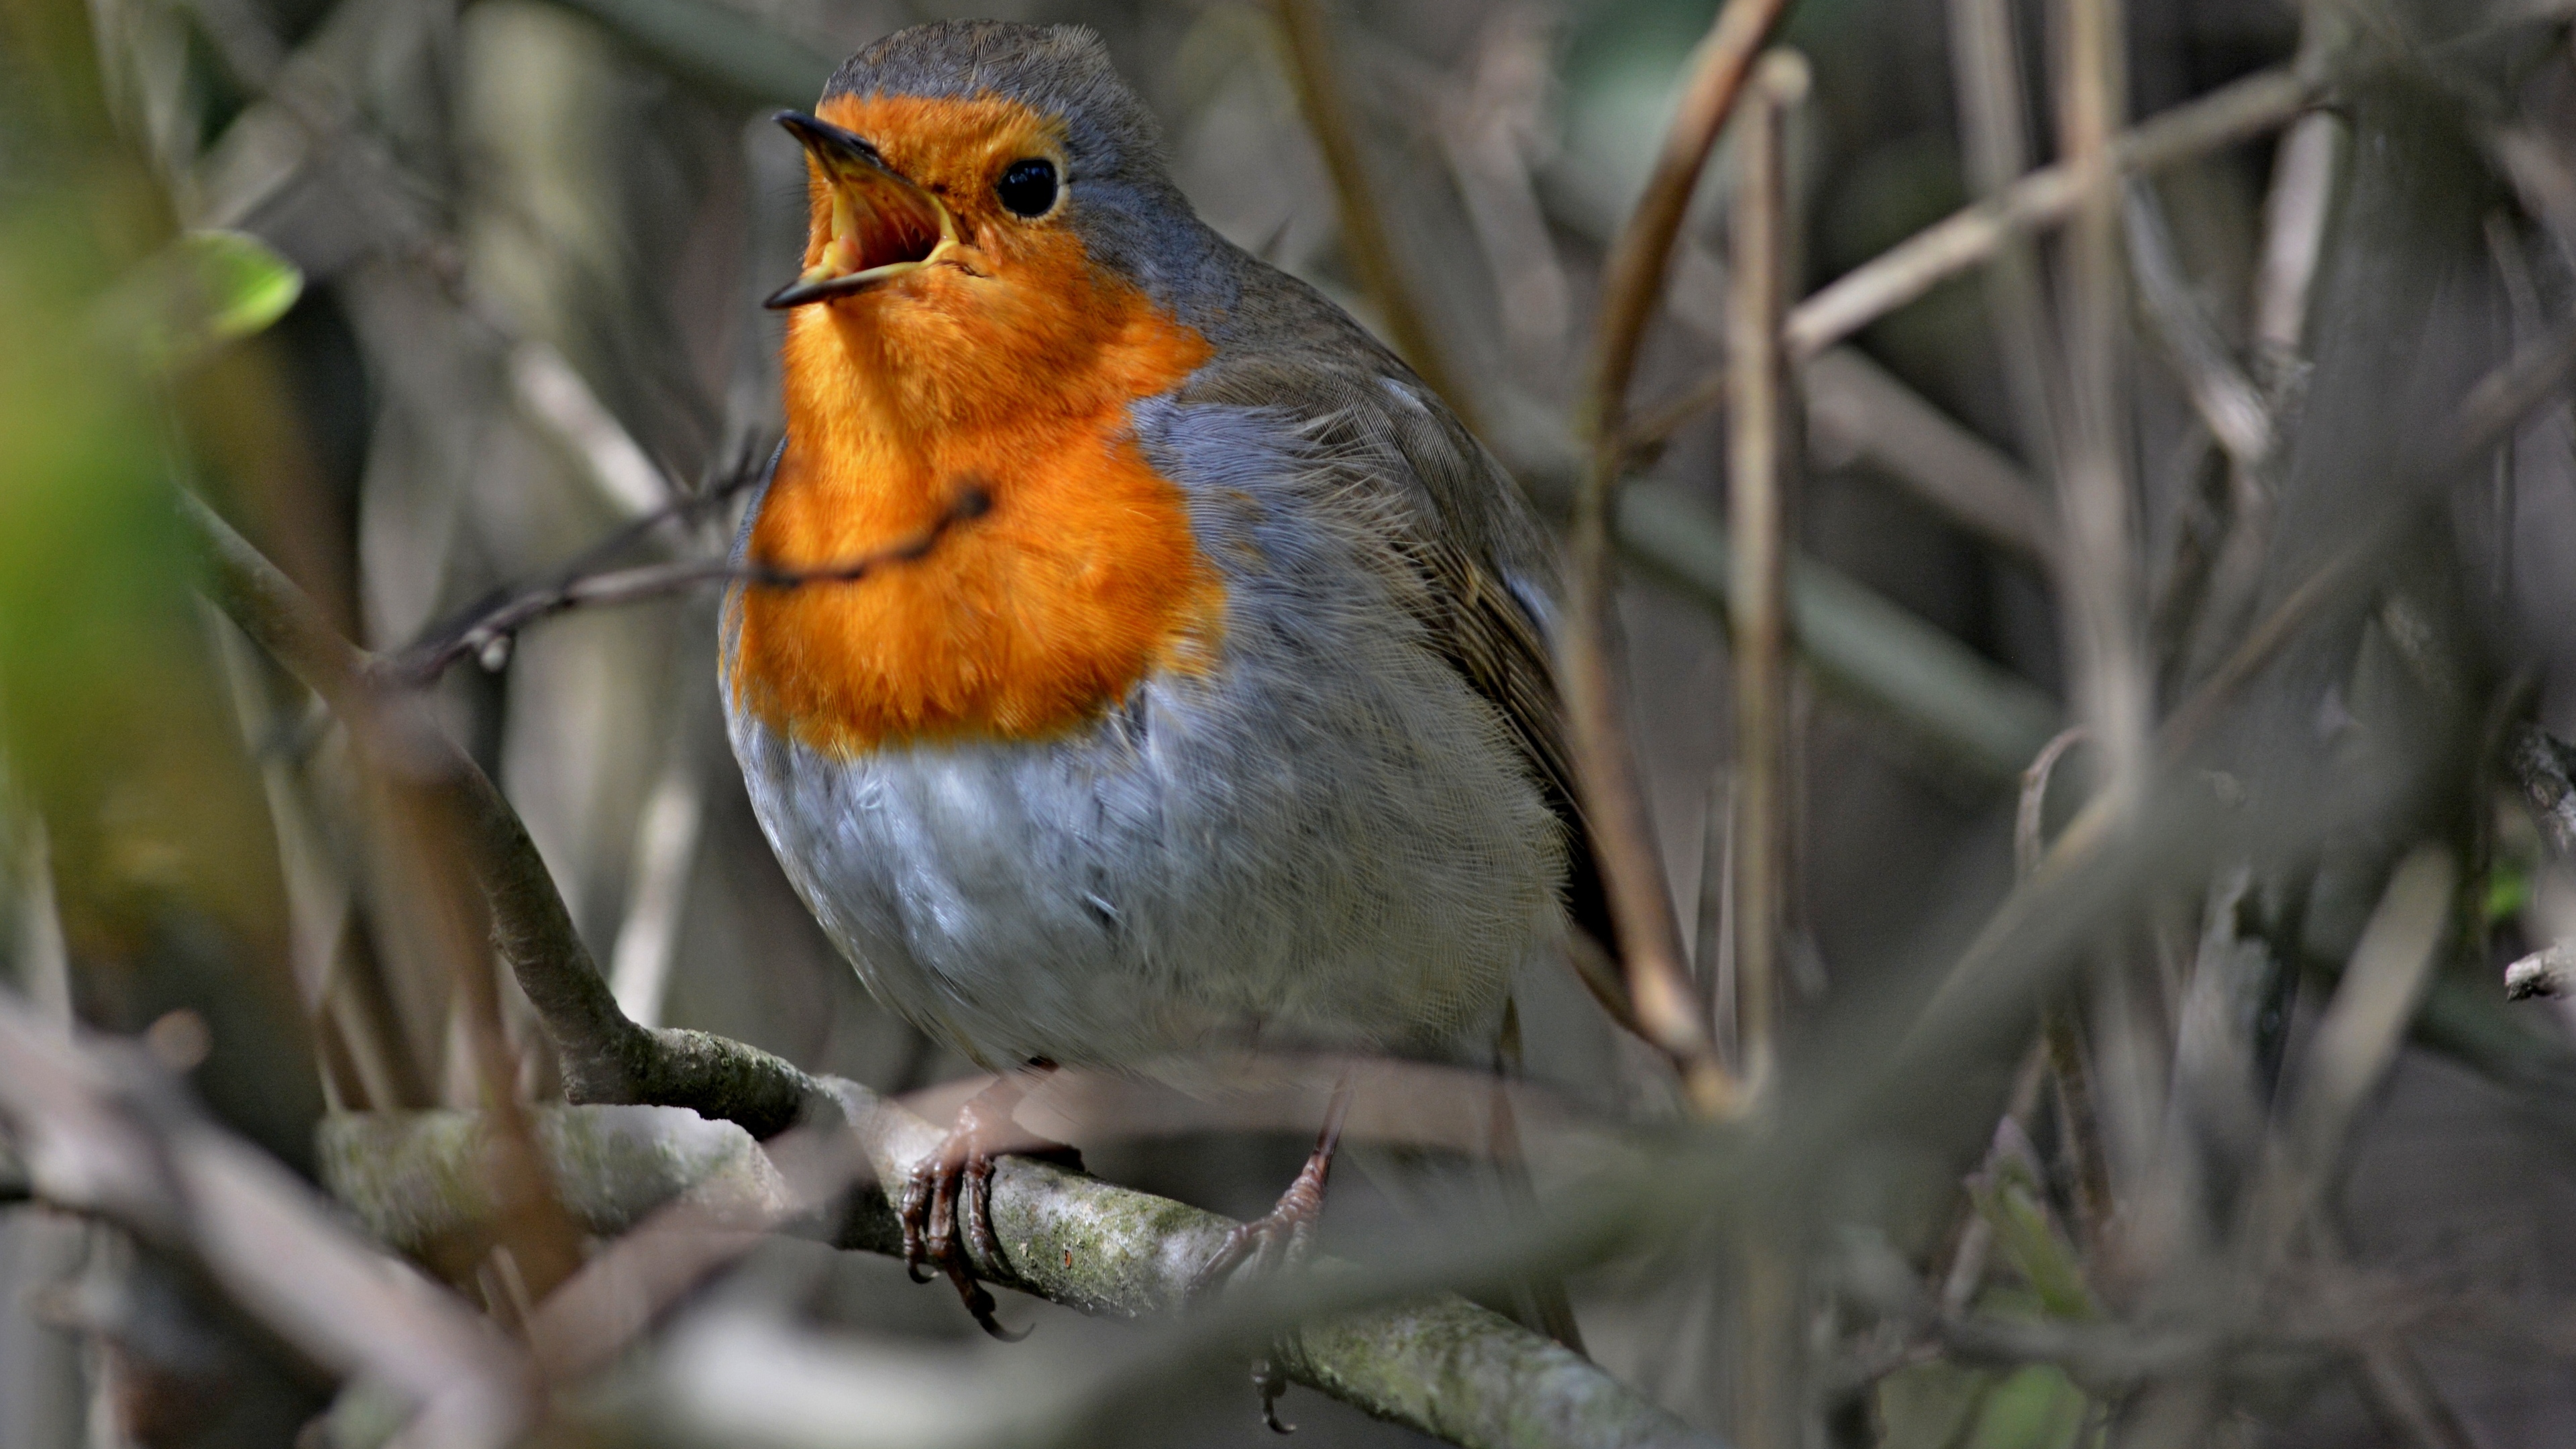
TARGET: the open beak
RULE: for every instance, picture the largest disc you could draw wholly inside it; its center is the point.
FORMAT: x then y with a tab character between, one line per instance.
882	225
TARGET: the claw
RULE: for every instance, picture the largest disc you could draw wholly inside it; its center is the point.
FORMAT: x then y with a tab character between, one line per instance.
946	1208
1270	1383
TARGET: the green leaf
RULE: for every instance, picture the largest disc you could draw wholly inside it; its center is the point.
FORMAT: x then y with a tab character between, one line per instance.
2032	1243
2032	1408
2508	889
240	281
204	289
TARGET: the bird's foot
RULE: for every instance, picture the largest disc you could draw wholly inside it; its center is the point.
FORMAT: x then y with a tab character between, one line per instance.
1280	1239
1277	1238
947	1205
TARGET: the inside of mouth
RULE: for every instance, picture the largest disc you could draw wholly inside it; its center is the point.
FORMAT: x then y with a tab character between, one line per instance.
883	231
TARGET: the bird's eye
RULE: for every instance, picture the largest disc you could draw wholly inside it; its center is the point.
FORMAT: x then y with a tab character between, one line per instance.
1027	187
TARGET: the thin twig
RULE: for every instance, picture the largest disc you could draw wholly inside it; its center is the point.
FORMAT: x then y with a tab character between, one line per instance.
2294	231
2030	816
489	633
1649	938
2061	1043
2226	399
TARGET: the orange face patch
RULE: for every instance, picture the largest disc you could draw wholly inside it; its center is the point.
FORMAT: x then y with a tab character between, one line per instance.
1009	367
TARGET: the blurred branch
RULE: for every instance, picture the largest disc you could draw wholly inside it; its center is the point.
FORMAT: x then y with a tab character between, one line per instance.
1855	408
719	48
1307	38
102	1131
1861	647
606	1057
1443	1367
2045	198
1858	411
1986	67
2099	599
1605	767
2227	400
2357	1039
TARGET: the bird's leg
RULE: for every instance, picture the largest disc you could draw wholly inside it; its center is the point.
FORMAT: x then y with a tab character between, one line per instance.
947	1204
1280	1237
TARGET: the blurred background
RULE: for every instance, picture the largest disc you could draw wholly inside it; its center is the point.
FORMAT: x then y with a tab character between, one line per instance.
436	300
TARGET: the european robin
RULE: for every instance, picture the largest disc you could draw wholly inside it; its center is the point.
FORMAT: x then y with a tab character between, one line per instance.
1198	696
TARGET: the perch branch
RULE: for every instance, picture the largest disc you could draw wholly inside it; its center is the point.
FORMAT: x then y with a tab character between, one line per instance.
1441	1366
606	1057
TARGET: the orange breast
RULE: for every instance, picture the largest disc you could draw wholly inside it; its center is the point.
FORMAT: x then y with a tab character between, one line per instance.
1081	578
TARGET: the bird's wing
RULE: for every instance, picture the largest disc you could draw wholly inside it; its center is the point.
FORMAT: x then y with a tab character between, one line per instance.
1482	572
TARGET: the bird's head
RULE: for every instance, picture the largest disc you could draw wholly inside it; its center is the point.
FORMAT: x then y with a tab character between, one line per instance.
984	197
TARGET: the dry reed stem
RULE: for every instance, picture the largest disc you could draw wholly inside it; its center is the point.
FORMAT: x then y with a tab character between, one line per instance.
1649	938
1758	467
1758	607
1858	411
1986	66
2105	655
2043	199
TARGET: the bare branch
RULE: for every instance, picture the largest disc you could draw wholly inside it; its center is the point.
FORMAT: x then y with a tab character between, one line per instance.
1659	980
2044	198
1855	408
606	1057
